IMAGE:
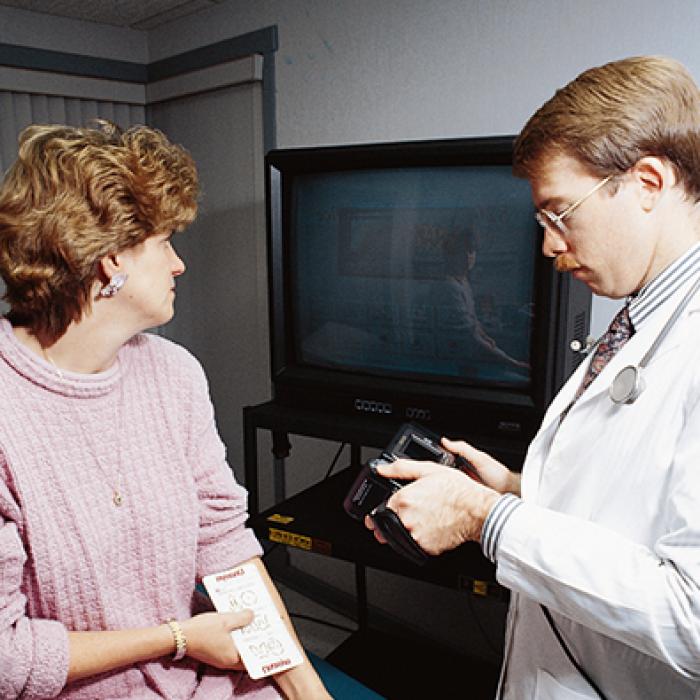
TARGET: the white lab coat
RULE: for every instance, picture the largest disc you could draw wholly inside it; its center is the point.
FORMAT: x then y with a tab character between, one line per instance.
608	536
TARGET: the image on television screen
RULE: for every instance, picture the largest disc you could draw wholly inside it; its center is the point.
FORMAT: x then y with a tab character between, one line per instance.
415	272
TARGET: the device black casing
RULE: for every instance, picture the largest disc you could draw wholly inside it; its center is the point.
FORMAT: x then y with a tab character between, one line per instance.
370	490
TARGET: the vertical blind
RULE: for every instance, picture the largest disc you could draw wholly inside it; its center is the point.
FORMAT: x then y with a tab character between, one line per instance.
20	109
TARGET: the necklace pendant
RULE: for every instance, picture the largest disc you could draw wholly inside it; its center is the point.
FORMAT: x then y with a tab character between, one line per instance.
117	498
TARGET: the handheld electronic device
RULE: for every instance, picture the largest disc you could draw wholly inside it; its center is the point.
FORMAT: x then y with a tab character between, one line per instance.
370	490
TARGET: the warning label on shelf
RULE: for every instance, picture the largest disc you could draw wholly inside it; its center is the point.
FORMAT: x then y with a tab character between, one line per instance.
291	539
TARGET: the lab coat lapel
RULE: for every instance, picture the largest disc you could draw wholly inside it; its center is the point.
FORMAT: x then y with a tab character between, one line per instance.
565	396
542	442
630	354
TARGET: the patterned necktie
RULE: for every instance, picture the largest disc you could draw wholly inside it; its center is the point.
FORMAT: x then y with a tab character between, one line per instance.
615	337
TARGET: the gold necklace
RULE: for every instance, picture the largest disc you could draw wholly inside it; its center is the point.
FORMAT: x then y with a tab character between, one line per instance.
51	362
117	495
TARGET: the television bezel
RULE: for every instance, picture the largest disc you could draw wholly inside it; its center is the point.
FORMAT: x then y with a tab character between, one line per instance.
562	311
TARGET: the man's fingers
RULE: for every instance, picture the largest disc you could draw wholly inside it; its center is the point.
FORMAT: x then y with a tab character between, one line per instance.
407	469
459	447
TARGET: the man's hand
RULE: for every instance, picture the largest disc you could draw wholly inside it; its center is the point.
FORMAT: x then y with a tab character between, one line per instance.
442	508
491	472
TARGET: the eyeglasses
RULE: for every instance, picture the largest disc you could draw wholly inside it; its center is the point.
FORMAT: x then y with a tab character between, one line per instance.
544	217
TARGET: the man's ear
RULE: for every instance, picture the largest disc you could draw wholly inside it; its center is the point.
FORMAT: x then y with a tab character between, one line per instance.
653	176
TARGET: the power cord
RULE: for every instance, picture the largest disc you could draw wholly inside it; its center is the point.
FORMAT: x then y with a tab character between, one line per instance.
335	460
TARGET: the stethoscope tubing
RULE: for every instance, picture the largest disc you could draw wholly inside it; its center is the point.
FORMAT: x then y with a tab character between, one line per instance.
629	383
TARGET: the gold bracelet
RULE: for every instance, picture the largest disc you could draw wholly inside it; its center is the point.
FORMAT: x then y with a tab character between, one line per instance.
180	640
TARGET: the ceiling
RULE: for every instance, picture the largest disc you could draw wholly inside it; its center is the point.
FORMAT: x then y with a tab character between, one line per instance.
134	14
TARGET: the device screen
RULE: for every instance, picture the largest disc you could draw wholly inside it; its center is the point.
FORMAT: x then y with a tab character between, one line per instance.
415	450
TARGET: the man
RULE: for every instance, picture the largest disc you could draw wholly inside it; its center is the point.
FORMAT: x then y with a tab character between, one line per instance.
600	541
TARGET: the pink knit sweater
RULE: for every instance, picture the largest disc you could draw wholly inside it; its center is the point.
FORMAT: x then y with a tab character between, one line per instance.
70	559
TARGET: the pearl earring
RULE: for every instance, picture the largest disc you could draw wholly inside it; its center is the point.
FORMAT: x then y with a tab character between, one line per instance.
113	286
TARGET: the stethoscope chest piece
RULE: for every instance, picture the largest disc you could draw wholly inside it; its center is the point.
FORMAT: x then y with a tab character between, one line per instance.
627	385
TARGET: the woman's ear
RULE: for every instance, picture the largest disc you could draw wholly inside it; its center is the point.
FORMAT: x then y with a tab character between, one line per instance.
653	176
111	276
109	266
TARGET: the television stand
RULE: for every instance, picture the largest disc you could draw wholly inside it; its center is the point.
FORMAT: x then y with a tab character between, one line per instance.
314	520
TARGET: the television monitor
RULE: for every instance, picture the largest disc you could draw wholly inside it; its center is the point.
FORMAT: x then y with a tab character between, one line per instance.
407	283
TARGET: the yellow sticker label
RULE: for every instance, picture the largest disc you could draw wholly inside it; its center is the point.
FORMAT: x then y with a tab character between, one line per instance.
480	587
289	538
283	519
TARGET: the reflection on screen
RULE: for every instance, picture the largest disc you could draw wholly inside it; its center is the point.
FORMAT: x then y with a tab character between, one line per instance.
415	271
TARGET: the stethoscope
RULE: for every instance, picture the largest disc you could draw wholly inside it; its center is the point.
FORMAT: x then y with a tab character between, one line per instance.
629	382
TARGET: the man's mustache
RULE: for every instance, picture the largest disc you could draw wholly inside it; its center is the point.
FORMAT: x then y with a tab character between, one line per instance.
565	262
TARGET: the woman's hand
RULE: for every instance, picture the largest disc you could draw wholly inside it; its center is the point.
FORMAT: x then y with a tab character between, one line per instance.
209	638
491	472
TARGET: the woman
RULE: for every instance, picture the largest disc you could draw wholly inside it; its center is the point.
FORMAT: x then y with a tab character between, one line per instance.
454	298
115	497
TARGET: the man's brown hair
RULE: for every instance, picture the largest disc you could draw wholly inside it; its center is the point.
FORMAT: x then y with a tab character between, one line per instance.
612	115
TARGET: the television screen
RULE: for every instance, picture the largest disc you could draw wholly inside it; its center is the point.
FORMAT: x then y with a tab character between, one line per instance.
421	272
407	282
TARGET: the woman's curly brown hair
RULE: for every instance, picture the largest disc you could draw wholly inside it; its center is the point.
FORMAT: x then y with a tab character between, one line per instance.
75	195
